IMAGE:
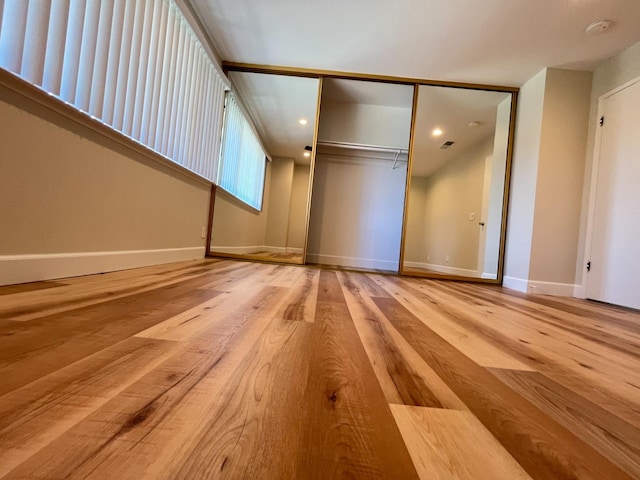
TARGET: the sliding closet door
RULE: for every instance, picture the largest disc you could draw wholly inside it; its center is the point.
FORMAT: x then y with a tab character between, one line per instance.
360	175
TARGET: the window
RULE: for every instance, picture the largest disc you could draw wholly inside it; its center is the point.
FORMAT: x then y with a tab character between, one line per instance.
242	160
135	65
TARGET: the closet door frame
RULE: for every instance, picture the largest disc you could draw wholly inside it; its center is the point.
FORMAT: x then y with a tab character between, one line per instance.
416	83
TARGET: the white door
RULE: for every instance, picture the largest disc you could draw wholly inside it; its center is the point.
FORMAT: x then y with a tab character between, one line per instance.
614	276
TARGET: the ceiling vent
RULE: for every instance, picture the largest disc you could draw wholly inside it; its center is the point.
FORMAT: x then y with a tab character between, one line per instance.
446	145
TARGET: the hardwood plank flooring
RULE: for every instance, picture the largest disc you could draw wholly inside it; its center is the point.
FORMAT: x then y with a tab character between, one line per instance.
226	369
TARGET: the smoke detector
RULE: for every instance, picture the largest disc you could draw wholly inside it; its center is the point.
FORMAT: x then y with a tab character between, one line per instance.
597	27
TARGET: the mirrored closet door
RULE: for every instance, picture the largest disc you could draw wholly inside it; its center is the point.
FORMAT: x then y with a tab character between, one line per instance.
360	174
454	223
283	110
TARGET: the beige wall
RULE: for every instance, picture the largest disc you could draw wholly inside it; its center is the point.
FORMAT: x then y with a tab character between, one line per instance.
556	221
66	189
524	175
298	211
548	166
609	75
277	226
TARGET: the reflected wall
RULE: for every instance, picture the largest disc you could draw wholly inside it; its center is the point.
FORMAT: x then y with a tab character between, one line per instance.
454	212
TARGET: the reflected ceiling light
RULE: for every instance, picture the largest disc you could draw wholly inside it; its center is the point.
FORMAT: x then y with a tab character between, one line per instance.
303	121
307	154
597	27
475	124
436	132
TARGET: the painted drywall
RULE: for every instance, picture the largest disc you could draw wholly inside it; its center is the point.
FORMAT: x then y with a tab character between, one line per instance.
609	75
67	190
236	227
543	227
356	212
414	248
450	195
524	176
298	210
277	225
365	124
556	223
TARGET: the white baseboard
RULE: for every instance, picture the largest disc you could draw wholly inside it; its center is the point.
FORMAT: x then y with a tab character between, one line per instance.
33	268
541	288
443	269
579	291
513	283
490	276
368	263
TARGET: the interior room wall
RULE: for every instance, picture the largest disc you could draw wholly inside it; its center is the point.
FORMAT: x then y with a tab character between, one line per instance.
298	210
560	177
414	249
543	227
73	202
365	124
238	228
356	213
524	175
449	239
609	75
277	224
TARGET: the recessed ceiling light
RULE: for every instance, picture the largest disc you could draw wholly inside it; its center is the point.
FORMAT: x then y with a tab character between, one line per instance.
303	121
307	154
436	132
597	27
475	124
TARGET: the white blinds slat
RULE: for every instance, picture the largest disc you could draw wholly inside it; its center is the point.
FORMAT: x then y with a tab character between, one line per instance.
35	41
134	62
54	56
166	87
113	59
143	68
174	93
103	42
14	24
124	62
149	117
73	41
87	55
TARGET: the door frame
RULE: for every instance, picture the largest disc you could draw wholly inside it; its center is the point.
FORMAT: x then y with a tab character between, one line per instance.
593	185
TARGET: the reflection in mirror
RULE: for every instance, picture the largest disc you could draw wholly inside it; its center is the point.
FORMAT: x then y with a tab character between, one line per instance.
455	204
283	110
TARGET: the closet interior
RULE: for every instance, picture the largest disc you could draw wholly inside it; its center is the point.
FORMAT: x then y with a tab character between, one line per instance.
360	174
399	176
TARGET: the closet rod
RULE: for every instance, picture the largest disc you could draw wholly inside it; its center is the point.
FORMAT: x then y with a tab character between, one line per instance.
362	146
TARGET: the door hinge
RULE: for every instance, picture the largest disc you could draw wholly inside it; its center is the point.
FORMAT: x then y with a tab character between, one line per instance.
602	121
589	266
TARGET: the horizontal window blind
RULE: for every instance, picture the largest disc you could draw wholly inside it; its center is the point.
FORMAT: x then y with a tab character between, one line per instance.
242	160
135	65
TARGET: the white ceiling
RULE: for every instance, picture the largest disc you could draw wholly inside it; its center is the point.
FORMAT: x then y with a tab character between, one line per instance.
503	42
451	110
276	103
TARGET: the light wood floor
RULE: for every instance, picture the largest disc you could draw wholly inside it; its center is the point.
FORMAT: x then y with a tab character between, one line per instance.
225	369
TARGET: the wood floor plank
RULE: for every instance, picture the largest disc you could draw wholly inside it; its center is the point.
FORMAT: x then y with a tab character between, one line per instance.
403	375
33	416
447	444
542	446
605	432
29	350
300	304
348	424
438	316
